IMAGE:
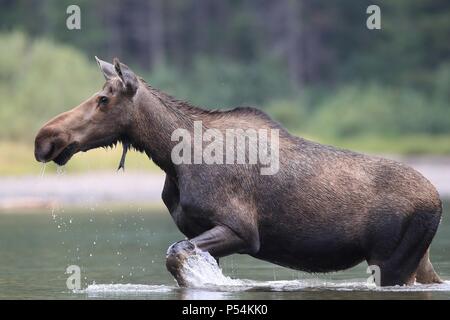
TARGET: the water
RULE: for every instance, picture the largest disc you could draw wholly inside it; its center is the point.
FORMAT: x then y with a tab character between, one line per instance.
121	253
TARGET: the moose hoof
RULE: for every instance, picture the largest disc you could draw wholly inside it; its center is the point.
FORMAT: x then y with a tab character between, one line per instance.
175	257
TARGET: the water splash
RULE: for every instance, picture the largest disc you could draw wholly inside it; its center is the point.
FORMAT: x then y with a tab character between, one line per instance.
200	269
122	289
306	285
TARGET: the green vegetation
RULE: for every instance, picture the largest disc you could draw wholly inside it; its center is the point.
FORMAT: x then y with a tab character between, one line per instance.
39	79
411	145
312	65
223	83
381	110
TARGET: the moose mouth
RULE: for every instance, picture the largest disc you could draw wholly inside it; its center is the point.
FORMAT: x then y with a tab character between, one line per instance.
64	156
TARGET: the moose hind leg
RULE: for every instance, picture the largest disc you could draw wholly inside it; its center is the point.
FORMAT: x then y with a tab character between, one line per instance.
219	241
401	266
425	272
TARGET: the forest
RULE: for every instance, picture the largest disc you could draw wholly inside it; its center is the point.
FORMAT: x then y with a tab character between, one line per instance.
311	64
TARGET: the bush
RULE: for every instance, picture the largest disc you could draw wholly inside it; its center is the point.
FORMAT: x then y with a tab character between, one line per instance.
38	80
218	83
293	114
357	110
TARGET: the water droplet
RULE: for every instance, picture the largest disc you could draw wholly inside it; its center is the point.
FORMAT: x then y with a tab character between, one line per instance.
60	170
43	169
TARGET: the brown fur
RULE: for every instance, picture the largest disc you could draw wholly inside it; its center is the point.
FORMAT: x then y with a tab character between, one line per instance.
326	209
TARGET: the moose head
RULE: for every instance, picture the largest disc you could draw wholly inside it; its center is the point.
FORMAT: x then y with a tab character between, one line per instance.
100	121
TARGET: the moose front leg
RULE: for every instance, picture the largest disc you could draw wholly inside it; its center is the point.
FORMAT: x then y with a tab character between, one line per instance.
219	241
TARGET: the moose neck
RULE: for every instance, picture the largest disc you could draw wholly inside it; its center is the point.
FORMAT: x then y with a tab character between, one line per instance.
153	124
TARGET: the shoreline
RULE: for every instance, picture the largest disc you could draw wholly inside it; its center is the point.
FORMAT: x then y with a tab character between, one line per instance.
115	188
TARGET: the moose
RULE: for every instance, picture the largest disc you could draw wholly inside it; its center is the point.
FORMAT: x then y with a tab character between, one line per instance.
326	209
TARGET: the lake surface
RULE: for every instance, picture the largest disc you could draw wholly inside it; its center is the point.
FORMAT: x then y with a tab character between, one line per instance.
121	255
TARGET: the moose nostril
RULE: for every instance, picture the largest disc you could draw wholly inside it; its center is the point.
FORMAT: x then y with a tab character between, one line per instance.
43	150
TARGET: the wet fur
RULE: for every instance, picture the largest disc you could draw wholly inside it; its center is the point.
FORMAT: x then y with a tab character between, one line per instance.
327	209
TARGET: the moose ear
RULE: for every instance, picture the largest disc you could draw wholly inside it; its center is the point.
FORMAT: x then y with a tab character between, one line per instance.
106	68
127	76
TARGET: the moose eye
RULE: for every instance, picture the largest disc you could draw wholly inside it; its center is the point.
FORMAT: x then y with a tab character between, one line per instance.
103	100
